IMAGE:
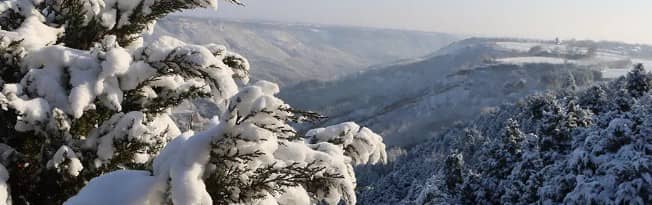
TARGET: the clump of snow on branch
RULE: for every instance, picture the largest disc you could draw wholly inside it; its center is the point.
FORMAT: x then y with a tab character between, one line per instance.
251	115
33	34
58	161
361	144
129	187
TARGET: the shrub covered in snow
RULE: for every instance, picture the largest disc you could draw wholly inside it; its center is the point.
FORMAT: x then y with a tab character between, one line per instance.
86	116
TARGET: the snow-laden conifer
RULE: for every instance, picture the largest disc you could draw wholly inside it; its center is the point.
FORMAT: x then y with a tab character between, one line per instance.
87	116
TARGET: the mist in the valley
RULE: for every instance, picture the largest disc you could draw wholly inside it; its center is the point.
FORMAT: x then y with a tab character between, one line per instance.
383	64
581	19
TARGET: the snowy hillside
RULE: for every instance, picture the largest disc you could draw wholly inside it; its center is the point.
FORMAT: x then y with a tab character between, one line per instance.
409	102
291	53
586	147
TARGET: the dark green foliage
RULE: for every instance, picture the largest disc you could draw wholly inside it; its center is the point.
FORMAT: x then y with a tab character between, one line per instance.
175	63
453	171
11	20
140	20
513	137
622	101
10	57
269	179
31	181
616	139
310	176
36	181
576	116
166	99
90	120
8	133
82	33
638	81
128	148
37	185
594	98
303	116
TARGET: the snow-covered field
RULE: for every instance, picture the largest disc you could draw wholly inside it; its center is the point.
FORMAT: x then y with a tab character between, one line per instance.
646	62
614	72
613	62
516	46
534	59
527	46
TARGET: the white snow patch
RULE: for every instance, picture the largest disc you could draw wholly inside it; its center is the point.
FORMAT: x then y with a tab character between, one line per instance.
533	59
74	166
126	187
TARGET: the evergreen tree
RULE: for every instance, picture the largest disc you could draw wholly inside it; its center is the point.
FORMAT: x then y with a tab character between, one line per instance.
639	81
548	115
86	112
590	146
513	137
573	156
594	98
569	82
453	171
495	164
622	101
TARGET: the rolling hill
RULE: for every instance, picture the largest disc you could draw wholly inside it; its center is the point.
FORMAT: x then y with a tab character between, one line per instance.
290	53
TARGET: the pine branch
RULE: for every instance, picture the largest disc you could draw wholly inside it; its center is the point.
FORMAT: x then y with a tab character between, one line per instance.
11	56
11	20
80	32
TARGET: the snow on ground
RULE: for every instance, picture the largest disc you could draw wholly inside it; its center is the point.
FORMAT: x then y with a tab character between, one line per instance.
617	72
534	59
614	72
647	63
611	62
599	63
607	55
526	46
517	46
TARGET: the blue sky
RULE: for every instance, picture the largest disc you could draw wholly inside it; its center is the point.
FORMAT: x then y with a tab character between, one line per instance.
622	20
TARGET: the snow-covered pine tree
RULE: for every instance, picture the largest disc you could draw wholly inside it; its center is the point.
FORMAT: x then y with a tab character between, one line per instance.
570	154
594	98
453	167
638	81
496	160
569	83
86	108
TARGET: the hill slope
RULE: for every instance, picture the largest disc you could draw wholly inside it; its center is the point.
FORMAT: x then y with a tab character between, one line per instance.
291	53
411	101
587	147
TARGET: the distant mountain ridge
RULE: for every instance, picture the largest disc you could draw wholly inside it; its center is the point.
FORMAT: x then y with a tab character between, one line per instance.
411	101
288	53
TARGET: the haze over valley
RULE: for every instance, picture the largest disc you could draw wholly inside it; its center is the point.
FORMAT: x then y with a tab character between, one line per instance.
289	53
